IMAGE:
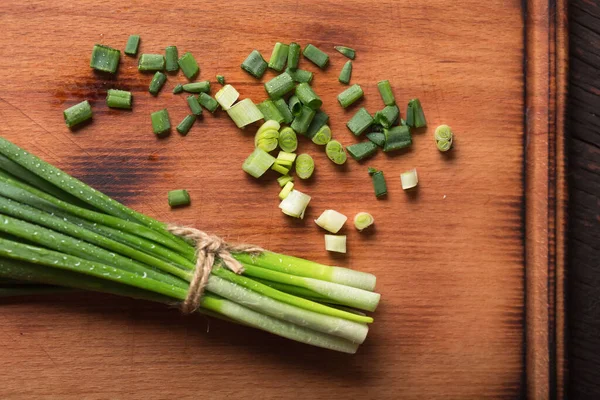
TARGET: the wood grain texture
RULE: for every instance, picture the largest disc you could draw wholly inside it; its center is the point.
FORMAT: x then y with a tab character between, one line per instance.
583	141
450	258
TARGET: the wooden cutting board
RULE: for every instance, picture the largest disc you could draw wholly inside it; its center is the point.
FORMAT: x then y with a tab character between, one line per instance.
470	267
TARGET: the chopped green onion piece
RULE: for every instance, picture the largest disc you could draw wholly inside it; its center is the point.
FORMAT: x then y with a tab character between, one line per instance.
285	158
171	59
409	179
347	51
226	96
157	82
350	95
186	124
319	120
77	114
336	243
346	73
178	88
151	62
385	90
360	151
378	182
443	137
284	179
295	204
208	102
283	109
221	79
197	87
377	128
317	56
279	56
270	111
295	106
307	96
282	169
363	220
279	86
255	64
335	151
415	117
194	105
161	124
244	113
105	59
397	137
323	136
118	99
131	48
266	139
300	75
388	116
403	122
258	162
178	198
331	220
305	166
287	189
360	122
288	140
302	121
293	55
268	125
377	137
188	65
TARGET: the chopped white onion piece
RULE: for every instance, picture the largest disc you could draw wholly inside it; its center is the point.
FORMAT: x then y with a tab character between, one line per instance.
295	204
335	243
227	96
331	221
409	179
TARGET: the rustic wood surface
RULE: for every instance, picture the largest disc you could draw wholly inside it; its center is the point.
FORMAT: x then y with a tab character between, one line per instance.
584	201
449	258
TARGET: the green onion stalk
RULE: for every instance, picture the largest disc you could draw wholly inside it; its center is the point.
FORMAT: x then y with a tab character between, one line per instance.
57	233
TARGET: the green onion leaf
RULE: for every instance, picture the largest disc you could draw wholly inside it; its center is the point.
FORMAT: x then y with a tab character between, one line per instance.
77	114
378	182
323	136
279	56
295	106
443	138
284	110
335	243
293	55
363	220
360	122
178	198
346	73
350	95
415	117
158	81
360	151
409	179
105	59
131	48
302	121
151	62
208	102
188	65
279	86
317	56
197	87
194	105
161	124
331	220
258	162
118	99
319	120
288	140
226	96
287	189
307	96
385	90
270	111
397	137
377	137
171	58
178	88
388	116
186	124
300	75
295	204
255	64
335	152
221	79
346	51
305	166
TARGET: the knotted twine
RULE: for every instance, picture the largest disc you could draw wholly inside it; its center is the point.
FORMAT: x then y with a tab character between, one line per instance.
208	247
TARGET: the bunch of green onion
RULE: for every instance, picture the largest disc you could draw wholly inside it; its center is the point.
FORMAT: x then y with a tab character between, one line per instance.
56	230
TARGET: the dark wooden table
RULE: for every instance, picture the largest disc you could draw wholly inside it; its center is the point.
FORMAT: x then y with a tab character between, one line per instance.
583	141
